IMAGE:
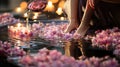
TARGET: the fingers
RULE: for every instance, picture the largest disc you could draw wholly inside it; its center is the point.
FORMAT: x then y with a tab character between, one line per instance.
91	3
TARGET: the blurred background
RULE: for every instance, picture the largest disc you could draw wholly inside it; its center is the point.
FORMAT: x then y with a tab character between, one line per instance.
53	10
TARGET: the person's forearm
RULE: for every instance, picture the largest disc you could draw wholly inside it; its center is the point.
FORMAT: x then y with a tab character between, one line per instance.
72	13
74	9
85	22
87	15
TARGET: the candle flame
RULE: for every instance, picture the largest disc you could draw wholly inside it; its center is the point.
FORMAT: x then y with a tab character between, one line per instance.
25	14
62	18
36	13
59	11
50	3
19	25
18	10
50	7
35	17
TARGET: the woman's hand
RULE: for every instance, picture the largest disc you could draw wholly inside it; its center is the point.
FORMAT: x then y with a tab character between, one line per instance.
91	3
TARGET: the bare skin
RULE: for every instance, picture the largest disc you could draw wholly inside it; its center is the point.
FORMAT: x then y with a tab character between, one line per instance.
85	21
73	21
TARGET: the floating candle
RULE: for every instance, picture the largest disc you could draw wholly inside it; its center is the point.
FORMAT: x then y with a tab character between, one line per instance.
59	11
20	31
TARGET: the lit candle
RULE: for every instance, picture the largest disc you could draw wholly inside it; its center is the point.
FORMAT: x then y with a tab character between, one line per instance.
23	4
62	18
59	11
18	10
50	6
36	13
35	16
20	32
25	15
19	25
34	20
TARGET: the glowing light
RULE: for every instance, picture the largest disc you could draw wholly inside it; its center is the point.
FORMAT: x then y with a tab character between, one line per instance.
59	11
35	17
50	3
54	1
19	25
36	13
19	10
62	18
61	4
23	4
25	15
50	6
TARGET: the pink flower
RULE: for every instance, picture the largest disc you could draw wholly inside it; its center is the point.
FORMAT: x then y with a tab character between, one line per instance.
43	64
54	54
26	60
77	36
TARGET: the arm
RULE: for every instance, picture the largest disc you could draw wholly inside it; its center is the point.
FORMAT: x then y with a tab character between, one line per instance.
74	9
71	8
72	12
85	22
